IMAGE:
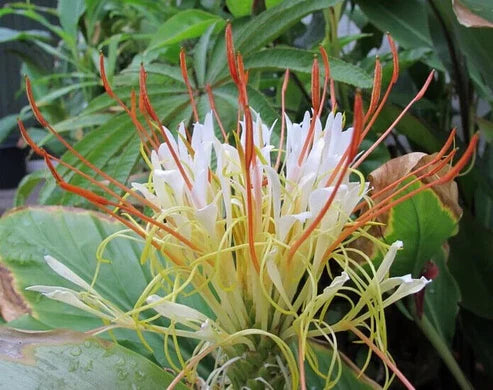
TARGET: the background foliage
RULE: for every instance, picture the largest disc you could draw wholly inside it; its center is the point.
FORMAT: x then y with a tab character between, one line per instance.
455	38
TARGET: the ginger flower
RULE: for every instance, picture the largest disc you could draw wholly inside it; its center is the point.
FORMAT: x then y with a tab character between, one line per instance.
251	226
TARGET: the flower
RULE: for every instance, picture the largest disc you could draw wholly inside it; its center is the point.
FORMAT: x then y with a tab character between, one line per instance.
252	236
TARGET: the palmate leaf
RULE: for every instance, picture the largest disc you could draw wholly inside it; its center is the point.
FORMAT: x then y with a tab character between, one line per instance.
64	359
72	237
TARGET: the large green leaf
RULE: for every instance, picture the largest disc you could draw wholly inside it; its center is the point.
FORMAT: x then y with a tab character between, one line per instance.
423	223
263	29
187	24
471	263
66	360
72	237
301	61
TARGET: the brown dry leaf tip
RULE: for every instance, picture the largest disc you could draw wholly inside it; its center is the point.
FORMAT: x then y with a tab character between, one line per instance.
467	18
395	169
21	344
12	304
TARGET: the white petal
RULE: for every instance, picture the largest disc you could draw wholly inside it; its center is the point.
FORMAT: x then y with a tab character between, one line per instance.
66	272
207	216
276	278
387	261
176	311
67	296
287	221
408	287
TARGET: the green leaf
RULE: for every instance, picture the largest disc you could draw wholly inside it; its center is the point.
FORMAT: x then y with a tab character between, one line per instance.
350	379
7	34
200	55
69	12
301	61
187	24
262	29
8	124
272	3
72	236
406	20
115	141
27	186
64	91
240	7
27	322
81	121
471	264
423	222
64	359
441	300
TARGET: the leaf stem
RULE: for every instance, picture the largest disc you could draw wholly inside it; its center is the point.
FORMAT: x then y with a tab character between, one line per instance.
443	350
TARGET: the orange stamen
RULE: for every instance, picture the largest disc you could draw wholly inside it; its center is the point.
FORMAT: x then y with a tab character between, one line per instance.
372	213
315	84
395	76
184	73
418	96
45	124
375	93
230	52
150	110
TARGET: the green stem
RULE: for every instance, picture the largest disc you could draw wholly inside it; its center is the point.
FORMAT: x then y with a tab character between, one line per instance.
443	350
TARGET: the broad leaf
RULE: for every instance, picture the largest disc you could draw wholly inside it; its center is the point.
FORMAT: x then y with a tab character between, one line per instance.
72	236
66	360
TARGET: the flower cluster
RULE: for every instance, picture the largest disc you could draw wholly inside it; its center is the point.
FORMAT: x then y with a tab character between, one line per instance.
252	226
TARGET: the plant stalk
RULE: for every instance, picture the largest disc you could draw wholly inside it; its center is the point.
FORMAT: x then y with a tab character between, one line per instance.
443	351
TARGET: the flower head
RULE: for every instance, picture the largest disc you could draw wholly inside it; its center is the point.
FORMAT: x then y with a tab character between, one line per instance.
251	225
